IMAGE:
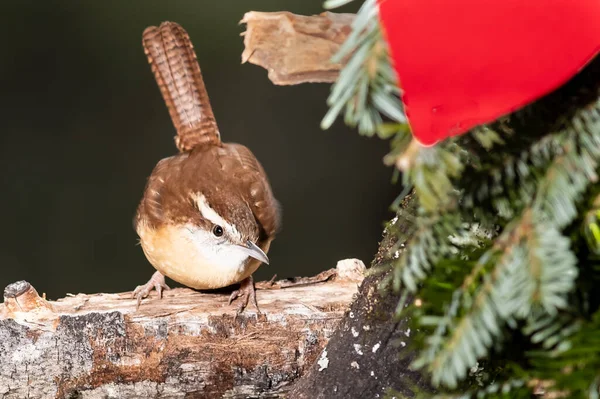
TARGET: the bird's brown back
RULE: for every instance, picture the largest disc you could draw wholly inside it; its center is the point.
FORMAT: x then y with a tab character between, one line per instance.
230	178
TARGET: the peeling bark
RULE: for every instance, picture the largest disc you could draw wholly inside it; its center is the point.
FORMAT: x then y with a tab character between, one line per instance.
294	48
185	345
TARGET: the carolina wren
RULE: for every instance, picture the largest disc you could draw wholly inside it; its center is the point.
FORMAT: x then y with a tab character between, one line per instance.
208	215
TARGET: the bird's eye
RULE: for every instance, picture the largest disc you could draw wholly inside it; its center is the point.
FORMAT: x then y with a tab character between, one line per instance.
217	231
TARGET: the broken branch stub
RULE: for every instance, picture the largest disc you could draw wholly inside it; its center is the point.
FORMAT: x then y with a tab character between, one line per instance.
294	48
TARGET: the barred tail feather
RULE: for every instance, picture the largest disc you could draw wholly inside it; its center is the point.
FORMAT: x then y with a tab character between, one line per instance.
173	61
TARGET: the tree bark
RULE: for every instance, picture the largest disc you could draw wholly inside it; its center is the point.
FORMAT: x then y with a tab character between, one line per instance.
188	344
368	355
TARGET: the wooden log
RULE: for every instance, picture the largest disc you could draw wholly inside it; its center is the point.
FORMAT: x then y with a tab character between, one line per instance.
188	344
294	48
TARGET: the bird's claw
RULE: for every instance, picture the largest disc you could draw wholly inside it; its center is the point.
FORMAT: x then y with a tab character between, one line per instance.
246	293
156	282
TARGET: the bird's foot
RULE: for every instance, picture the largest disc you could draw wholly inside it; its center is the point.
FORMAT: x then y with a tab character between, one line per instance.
156	282
246	293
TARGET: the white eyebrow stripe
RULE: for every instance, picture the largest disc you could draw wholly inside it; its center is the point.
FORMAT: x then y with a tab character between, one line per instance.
209	214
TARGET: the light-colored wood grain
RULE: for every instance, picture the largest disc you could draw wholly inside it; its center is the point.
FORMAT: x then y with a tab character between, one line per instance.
185	345
294	48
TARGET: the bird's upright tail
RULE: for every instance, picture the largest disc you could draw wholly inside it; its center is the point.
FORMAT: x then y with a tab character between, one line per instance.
173	61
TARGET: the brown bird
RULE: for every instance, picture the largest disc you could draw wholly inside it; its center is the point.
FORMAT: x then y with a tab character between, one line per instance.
208	215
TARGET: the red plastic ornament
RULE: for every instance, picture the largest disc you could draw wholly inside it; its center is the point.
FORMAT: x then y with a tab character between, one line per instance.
462	63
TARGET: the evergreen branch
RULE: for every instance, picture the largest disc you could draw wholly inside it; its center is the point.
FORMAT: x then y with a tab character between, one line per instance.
551	332
532	267
440	229
591	226
571	172
367	85
512	389
575	368
538	270
431	171
551	272
428	244
530	172
555	171
508	186
449	359
486	137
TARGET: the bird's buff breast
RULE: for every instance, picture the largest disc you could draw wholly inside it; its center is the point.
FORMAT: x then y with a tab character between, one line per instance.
182	254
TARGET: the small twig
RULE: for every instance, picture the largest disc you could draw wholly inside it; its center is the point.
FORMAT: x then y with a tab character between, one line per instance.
296	281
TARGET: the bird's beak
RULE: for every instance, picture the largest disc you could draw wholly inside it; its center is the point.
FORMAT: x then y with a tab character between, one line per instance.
253	250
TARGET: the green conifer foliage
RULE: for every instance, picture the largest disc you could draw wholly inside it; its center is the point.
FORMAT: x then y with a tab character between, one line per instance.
505	256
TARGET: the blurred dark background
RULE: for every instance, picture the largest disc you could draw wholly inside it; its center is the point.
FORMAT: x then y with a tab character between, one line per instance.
83	124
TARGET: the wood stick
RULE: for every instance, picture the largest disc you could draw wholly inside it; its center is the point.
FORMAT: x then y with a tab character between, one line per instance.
295	48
